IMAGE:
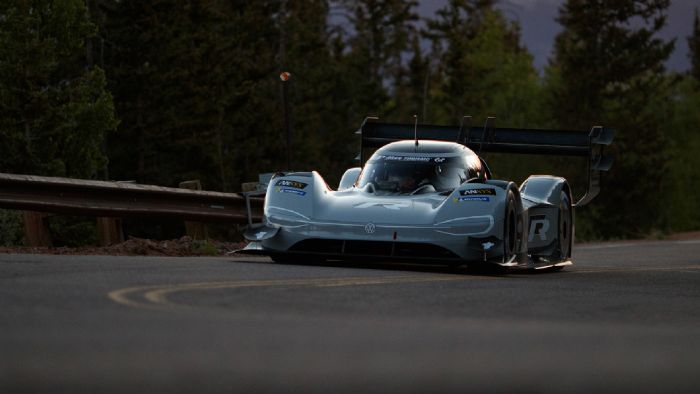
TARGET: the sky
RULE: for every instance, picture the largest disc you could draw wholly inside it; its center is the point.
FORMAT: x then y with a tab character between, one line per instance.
539	27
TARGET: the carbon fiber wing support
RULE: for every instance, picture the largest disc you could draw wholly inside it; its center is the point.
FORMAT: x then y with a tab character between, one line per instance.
591	144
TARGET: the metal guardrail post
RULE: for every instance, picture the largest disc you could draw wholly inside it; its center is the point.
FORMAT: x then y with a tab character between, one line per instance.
110	231
36	229
195	230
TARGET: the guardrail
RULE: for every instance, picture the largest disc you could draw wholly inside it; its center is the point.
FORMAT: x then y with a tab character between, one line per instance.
122	199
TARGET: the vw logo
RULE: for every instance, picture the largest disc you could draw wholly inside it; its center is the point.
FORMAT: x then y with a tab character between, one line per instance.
370	228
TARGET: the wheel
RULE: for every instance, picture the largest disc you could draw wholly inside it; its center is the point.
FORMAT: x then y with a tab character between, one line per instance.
512	228
565	225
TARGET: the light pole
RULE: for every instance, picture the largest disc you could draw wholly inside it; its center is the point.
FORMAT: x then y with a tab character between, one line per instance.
284	77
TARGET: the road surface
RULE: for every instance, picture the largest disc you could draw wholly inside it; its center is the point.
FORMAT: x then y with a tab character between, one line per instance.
624	318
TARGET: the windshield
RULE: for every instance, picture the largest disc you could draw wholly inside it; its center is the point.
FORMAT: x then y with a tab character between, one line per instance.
387	175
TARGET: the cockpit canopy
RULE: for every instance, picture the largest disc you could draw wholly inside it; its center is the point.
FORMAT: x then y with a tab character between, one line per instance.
428	170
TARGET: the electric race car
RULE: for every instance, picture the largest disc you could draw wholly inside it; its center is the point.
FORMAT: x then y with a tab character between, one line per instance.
425	195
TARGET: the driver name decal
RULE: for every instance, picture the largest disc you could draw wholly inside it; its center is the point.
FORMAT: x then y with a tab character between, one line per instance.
411	158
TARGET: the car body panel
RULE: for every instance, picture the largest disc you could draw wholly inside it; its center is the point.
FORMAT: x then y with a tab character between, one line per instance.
442	220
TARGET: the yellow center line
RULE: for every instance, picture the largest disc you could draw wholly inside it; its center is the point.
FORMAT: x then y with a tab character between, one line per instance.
121	296
155	296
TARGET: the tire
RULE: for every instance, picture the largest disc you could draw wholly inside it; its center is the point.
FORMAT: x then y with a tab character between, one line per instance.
512	228
565	226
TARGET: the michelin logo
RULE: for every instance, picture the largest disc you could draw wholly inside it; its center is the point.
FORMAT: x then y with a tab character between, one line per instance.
293	191
473	198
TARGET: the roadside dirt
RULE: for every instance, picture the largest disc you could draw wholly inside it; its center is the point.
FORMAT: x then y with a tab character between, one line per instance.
683	236
184	246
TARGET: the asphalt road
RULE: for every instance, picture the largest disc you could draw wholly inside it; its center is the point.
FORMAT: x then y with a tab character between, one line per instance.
624	318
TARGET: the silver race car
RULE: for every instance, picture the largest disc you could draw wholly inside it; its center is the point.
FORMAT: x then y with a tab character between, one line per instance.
426	194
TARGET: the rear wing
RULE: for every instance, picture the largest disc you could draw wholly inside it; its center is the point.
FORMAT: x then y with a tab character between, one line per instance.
490	139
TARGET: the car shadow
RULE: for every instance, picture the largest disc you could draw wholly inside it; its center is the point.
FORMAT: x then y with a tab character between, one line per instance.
407	266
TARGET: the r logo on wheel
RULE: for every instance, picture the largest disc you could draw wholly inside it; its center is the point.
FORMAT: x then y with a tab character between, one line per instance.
539	225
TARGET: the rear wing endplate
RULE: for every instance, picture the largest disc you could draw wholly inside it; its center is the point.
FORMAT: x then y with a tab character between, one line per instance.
490	139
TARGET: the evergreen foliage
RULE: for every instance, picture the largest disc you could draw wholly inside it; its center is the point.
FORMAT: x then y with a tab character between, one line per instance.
609	68
318	90
11	228
694	47
683	178
197	92
482	69
54	110
190	80
373	62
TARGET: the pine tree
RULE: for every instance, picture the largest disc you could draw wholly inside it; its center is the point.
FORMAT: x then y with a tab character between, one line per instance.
683	147
483	69
608	68
410	91
694	46
374	59
196	88
54	108
318	91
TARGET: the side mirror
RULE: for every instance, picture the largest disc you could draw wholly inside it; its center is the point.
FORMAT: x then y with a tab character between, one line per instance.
349	178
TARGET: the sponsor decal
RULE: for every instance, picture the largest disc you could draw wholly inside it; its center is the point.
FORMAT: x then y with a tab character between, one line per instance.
472	198
478	192
293	191
370	228
539	225
288	183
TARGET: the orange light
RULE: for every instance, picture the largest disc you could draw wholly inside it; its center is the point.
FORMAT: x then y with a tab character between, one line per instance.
284	76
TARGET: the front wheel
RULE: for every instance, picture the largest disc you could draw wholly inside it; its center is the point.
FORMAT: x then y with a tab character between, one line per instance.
512	228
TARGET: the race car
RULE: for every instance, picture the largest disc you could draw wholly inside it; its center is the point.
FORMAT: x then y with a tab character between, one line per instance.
426	194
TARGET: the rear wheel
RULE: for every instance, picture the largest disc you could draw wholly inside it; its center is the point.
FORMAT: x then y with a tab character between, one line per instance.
565	225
